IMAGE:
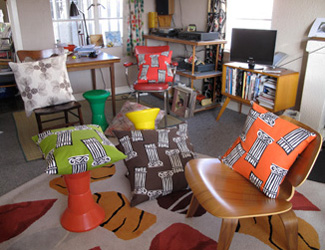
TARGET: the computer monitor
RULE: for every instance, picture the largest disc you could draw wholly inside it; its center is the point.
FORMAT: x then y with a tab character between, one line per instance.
253	46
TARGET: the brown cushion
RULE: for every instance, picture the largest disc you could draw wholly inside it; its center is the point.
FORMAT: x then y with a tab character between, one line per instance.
155	160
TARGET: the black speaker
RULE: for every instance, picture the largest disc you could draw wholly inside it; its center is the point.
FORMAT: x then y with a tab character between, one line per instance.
165	7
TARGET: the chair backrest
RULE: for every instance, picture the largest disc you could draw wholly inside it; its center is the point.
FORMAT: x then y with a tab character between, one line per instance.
150	49
304	163
38	54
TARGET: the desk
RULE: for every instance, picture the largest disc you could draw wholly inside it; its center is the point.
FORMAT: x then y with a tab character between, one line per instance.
103	60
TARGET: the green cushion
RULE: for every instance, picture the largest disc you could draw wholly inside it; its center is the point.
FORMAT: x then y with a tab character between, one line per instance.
76	149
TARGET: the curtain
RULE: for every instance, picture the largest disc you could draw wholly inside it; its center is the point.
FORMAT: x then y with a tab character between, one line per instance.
216	23
217	17
135	25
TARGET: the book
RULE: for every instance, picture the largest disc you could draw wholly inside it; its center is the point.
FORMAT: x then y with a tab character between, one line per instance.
265	100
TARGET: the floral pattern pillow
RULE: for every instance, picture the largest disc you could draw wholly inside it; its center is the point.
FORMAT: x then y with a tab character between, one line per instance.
43	83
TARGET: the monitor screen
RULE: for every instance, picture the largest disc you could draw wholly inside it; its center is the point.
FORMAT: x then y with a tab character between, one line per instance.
252	43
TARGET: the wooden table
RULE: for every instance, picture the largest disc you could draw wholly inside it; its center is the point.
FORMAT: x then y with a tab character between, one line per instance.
103	60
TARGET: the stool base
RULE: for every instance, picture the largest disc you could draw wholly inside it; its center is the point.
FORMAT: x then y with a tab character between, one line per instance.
83	213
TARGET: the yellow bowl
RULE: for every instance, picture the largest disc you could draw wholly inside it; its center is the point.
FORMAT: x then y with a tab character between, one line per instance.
143	119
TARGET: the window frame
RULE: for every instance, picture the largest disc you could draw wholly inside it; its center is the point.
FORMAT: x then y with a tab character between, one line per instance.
244	19
92	16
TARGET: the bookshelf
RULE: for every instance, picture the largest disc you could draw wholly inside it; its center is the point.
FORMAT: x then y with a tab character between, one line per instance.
274	89
192	74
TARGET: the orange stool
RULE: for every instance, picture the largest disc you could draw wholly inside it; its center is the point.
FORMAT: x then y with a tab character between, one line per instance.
82	213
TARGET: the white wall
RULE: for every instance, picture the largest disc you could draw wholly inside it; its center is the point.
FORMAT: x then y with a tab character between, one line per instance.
312	112
31	23
293	20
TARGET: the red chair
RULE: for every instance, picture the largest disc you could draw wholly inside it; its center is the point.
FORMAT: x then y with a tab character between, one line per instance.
158	87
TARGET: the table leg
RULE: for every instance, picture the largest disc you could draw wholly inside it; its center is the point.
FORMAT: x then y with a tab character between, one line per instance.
93	78
223	108
113	88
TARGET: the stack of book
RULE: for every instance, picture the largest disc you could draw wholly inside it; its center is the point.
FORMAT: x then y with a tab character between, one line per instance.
87	49
245	84
267	96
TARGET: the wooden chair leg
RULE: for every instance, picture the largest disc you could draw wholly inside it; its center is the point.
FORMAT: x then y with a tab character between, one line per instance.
290	223
81	120
193	207
66	116
39	123
227	232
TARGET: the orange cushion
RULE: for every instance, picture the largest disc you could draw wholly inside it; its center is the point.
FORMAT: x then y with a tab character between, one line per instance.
266	149
154	68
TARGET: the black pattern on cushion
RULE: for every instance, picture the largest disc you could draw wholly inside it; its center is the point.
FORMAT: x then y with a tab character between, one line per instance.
155	160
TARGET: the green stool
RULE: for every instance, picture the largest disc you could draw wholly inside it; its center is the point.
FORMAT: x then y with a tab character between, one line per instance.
97	99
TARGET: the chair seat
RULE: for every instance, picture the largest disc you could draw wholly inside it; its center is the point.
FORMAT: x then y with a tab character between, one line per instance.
151	86
226	194
57	108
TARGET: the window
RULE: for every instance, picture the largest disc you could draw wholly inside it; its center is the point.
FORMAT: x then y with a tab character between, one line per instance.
250	14
101	16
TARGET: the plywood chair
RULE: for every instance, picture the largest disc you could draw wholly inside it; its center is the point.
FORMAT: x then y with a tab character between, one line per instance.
160	87
73	107
226	194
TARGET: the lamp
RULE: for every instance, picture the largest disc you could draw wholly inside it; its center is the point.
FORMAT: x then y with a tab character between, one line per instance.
74	11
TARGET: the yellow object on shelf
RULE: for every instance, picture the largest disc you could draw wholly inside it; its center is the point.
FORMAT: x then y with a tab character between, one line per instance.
152	20
165	21
143	119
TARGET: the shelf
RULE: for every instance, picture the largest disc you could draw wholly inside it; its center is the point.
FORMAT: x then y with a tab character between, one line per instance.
8	86
200	108
198	75
183	41
242	67
286	83
191	74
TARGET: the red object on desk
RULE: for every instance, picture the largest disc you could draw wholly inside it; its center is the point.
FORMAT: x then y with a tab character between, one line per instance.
70	47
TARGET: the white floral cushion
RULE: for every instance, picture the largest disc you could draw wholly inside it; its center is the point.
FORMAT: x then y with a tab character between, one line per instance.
43	83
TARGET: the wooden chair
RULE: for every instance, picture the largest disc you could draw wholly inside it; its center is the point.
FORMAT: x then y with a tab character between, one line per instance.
226	194
65	108
151	87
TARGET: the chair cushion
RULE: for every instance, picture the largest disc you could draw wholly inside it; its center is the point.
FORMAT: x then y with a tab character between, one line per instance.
159	87
155	68
266	149
43	83
155	161
76	149
122	123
